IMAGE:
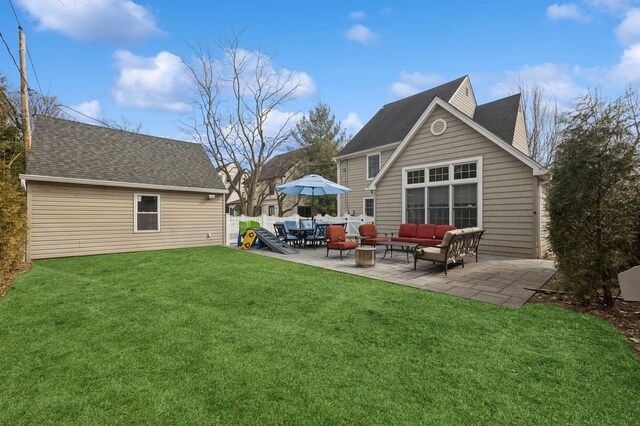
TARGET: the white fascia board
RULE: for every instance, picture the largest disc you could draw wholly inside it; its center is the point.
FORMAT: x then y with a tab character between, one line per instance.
56	179
368	151
538	170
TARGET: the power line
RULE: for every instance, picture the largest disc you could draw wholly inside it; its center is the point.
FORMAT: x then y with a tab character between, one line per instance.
10	53
85	115
14	13
33	67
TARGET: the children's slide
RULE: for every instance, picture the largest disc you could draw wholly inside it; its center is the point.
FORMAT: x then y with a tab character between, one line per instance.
273	242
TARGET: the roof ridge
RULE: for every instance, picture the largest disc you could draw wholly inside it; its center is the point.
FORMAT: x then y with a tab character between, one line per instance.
427	90
501	99
114	129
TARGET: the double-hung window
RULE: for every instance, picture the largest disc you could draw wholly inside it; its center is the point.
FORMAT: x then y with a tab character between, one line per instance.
440	194
369	207
147	213
373	165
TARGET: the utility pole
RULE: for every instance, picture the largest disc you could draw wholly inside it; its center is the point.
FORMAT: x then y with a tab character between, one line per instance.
24	96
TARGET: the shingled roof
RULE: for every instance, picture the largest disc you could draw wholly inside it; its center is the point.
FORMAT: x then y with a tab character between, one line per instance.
73	150
279	165
394	120
499	117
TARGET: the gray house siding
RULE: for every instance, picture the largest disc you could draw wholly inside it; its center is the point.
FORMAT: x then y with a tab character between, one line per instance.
464	99
353	175
78	220
520	133
507	193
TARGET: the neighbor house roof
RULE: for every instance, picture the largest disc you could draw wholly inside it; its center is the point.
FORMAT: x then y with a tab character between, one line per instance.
394	120
279	165
69	151
499	117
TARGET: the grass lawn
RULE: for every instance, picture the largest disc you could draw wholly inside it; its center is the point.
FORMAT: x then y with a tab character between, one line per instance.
214	335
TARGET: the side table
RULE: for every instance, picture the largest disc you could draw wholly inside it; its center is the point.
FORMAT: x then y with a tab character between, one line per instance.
365	256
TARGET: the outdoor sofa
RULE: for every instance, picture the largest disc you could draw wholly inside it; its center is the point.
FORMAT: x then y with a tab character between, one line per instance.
424	233
455	245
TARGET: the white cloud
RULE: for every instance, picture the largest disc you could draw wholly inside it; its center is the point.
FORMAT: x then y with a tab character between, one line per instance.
279	121
628	70
159	83
612	6
556	81
85	110
558	12
357	14
628	31
352	122
384	10
411	83
95	20
299	82
361	34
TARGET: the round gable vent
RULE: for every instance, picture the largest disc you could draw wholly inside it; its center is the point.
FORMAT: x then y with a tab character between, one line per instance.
438	127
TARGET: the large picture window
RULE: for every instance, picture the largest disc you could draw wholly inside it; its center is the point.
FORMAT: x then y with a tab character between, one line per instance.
373	165
438	212
451	194
415	205
147	213
465	205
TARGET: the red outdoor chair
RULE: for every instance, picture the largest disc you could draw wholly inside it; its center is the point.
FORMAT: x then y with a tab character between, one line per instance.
369	235
337	240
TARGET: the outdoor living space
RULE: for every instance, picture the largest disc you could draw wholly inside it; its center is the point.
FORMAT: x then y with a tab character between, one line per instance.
505	281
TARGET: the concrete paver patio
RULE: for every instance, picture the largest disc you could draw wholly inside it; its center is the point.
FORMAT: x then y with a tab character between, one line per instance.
498	280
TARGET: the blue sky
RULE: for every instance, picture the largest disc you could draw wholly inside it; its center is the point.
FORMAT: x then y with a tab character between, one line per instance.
120	58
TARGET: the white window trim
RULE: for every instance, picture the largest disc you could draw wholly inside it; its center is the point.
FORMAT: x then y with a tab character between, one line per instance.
379	164
364	206
135	213
451	182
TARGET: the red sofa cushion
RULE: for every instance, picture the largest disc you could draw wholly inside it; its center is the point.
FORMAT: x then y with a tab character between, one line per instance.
403	239
426	230
368	230
374	241
407	230
441	230
342	245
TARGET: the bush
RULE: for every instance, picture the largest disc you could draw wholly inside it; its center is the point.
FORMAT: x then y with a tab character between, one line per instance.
593	197
13	224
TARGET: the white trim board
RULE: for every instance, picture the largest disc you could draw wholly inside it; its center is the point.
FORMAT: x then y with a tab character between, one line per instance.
56	179
368	151
537	169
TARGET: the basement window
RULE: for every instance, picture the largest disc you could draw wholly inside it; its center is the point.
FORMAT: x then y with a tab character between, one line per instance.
147	213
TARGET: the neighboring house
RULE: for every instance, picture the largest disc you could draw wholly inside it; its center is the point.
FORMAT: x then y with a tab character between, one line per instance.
280	169
233	206
95	190
438	157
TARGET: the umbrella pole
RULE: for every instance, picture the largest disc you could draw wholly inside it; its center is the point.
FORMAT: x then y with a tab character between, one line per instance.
312	199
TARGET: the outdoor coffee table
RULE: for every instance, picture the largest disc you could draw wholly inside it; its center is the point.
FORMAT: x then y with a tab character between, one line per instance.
390	246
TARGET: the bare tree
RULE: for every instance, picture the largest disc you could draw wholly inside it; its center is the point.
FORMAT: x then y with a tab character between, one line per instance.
542	120
236	97
39	104
124	124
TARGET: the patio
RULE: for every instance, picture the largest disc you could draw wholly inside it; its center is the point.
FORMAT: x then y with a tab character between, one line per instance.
497	280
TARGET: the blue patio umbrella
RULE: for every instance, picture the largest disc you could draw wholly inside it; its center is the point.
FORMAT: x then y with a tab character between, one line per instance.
312	185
